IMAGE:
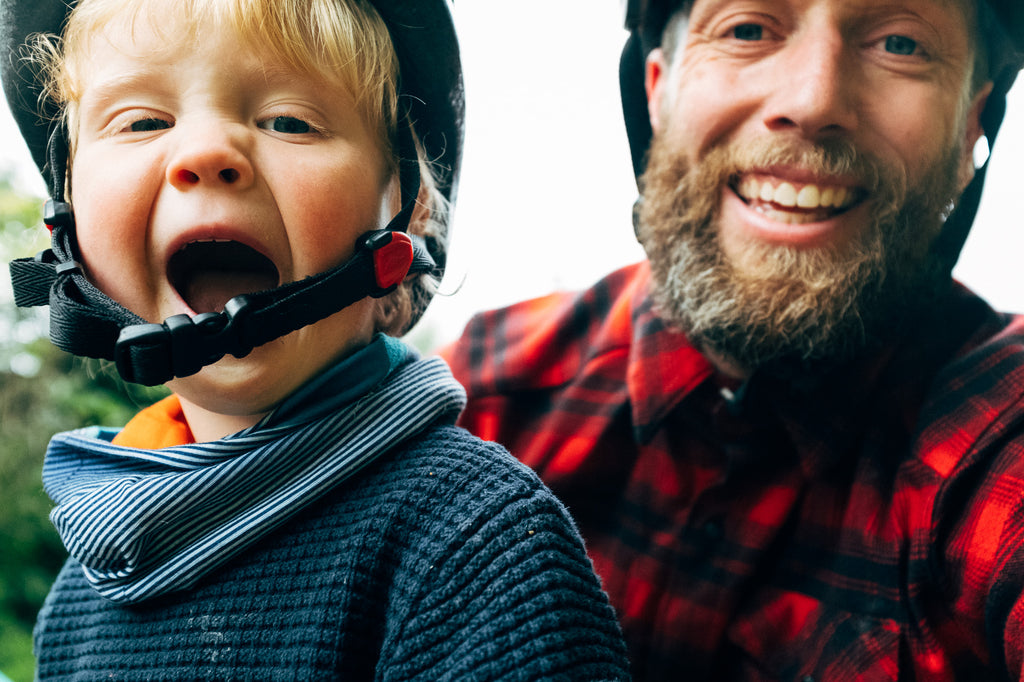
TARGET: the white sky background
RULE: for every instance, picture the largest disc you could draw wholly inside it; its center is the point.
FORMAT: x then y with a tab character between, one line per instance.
547	186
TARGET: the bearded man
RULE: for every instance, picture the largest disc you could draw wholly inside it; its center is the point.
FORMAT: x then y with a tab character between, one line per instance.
793	444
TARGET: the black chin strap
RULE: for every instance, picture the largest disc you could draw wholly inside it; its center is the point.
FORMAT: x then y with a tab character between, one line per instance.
86	322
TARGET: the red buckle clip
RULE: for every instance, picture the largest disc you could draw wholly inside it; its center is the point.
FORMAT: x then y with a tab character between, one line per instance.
392	258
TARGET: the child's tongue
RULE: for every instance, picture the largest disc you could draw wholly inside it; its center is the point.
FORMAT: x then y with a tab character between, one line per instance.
209	290
209	274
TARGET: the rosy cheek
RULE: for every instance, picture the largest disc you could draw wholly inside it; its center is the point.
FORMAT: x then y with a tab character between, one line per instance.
108	265
323	229
112	251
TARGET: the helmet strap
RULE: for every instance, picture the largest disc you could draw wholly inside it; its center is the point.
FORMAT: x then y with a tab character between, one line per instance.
86	322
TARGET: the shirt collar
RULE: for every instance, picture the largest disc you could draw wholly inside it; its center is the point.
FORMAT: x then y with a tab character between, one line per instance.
163	424
663	367
343	382
821	416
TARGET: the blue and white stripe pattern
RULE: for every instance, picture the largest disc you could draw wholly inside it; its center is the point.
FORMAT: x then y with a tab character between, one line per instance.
147	522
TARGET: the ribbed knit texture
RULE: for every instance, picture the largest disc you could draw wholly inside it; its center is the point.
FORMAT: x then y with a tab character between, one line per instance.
447	560
146	522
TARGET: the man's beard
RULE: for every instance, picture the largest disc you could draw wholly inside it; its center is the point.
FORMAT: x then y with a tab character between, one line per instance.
794	309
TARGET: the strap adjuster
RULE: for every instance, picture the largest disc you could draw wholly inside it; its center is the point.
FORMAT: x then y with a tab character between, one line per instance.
58	214
392	257
152	353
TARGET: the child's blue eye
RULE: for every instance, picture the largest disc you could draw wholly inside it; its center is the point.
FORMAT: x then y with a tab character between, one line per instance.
287	124
148	125
900	45
748	32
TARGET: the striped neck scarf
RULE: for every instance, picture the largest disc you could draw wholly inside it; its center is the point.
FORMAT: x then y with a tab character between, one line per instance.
143	523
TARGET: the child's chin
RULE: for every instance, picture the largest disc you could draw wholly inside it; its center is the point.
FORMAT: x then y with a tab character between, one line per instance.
235	387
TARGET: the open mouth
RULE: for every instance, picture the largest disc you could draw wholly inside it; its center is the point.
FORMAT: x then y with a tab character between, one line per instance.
795	203
208	274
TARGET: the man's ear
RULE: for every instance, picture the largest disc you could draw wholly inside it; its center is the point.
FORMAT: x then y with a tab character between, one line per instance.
973	131
655	83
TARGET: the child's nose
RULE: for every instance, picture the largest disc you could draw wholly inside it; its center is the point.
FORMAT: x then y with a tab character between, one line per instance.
214	157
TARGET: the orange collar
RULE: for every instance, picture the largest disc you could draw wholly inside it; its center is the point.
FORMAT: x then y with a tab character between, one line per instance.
161	425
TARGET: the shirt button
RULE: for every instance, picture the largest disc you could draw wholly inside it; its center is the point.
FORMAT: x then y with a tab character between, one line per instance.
807	678
713	530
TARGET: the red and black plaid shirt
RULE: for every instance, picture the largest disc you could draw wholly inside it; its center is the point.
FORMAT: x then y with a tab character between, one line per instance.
868	525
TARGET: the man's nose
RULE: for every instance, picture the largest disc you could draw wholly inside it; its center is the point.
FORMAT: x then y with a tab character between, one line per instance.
211	154
815	86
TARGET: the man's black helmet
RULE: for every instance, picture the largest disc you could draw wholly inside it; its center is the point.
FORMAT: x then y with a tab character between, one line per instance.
1001	27
85	322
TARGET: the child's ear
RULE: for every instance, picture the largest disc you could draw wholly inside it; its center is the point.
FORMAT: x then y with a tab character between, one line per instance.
420	212
390	200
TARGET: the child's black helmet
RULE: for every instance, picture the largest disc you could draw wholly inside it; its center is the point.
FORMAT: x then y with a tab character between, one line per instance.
1001	27
85	322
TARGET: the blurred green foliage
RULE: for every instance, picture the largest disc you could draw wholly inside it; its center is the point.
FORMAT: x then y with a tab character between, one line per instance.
42	391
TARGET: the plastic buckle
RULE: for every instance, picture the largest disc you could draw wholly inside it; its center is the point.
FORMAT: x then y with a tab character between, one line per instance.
152	353
142	354
392	257
235	334
58	214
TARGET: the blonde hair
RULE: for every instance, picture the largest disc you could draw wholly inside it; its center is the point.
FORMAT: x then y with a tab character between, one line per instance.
341	41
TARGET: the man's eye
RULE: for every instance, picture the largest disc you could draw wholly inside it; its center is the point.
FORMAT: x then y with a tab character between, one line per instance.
900	45
287	124
748	32
148	125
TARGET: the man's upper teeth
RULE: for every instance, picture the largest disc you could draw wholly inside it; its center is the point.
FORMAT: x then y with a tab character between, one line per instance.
799	196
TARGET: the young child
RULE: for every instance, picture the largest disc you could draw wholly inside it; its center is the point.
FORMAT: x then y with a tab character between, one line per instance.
301	506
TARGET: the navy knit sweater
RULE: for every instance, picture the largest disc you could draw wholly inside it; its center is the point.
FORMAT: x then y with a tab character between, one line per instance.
446	560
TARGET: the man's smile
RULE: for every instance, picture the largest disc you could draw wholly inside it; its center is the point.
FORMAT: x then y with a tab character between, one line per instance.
792	202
